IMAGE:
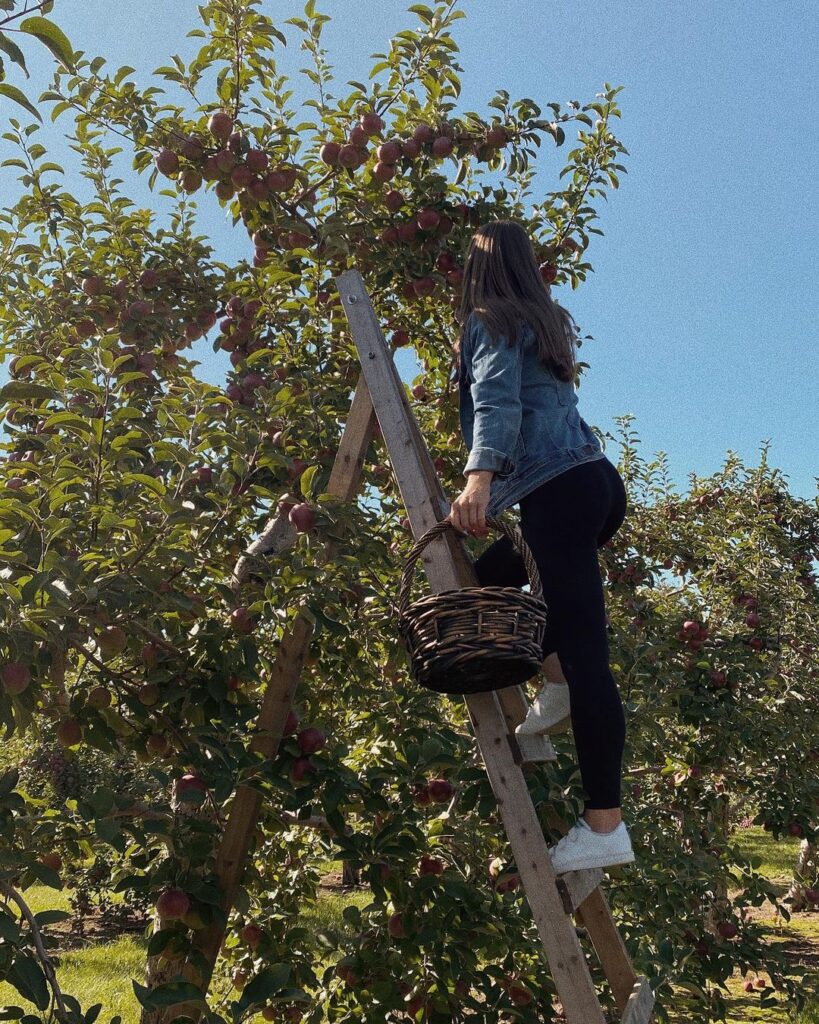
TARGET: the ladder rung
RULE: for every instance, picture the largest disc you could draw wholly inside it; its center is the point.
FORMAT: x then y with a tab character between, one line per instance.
575	886
640	1003
531	749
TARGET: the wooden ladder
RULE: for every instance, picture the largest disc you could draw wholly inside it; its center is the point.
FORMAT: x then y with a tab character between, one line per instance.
380	397
494	715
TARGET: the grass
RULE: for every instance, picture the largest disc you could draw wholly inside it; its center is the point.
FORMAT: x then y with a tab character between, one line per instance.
103	973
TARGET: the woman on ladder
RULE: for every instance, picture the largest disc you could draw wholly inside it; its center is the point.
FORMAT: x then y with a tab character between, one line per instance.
528	444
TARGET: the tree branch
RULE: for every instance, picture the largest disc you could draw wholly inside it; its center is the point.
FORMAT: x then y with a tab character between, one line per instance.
48	966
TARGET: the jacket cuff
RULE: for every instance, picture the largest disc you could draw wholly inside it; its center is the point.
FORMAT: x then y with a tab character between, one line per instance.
489	458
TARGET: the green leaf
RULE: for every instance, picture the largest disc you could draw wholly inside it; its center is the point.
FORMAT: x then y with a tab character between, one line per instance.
52	37
24	388
271	980
13	50
27	977
8	780
306	482
19	97
46	917
151	482
9	929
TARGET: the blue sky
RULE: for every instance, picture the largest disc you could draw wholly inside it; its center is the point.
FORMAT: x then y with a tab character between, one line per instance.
703	300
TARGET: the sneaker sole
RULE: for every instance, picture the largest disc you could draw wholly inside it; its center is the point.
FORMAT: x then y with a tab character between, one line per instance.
594	862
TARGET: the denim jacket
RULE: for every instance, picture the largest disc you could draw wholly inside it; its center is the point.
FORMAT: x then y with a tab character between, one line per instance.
517	418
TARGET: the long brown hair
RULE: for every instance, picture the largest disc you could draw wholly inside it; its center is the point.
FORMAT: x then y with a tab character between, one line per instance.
502	284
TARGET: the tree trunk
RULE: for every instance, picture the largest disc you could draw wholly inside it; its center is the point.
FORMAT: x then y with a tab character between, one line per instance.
807	866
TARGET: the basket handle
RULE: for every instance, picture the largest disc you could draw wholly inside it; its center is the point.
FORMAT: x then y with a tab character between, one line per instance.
512	532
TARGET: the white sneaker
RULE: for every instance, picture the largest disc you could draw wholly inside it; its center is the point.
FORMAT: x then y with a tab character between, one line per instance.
547	709
582	848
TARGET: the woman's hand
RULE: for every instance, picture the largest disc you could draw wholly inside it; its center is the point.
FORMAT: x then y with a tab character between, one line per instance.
468	511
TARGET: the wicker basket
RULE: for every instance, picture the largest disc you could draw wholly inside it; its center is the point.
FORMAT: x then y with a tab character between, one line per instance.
473	639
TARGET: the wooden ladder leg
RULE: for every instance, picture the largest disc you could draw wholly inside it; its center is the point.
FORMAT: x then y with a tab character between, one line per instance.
558	937
285	674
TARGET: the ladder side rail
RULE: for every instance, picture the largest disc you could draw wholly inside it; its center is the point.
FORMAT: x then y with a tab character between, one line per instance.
279	694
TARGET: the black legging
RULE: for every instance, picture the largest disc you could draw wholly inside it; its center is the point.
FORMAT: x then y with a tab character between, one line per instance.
564	521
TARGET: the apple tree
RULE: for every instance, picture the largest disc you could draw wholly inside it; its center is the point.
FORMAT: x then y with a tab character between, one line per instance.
162	537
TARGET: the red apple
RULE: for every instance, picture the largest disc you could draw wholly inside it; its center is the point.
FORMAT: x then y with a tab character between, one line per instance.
69	732
167	162
150	655
371	123
52	860
16	677
441	790
220	125
349	156
86	329
428	219
423	286
497	136
139	310
172	903
241	621
548	271
407	232
251	934
93	285
344	970
257	160
190	784
389	152
519	993
158	743
442	146
727	929
423	134
311	739
148	694
303	517
301	766
395	926
384	172
430	865
99	697
241	176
